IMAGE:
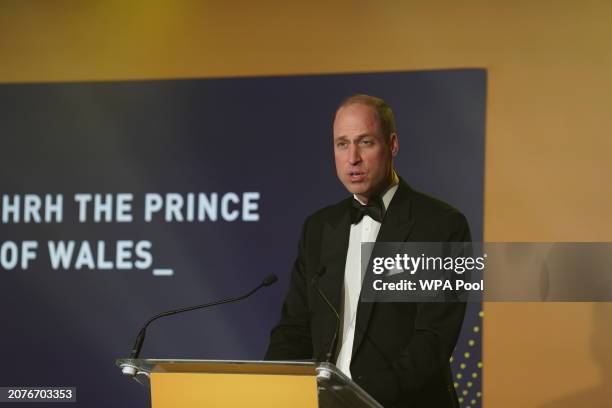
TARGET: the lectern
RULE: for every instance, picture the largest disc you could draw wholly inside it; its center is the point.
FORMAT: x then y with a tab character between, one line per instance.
270	384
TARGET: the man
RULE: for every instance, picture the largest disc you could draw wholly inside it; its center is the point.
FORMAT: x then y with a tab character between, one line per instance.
398	352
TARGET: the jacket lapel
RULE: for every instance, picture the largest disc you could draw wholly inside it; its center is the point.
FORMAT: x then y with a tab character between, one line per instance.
395	227
333	257
334	248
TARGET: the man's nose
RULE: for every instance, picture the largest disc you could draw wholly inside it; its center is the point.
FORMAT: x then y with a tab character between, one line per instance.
354	155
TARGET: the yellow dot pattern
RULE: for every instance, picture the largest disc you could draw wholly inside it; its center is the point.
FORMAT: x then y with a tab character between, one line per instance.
466	361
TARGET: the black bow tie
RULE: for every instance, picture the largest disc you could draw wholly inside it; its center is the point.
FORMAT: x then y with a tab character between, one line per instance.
375	209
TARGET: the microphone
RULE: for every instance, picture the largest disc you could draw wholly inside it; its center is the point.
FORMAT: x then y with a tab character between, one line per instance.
315	283
268	280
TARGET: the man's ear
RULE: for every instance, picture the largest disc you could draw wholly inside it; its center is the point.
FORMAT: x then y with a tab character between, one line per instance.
394	143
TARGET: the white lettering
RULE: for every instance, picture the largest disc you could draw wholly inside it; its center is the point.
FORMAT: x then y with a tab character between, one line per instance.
225	212
124	253
207	207
82	199
190	207
54	208
28	253
85	257
60	254
103	263
377	267
31	208
250	206
143	252
10	209
103	207
174	203
200	207
9	255
123	212
153	203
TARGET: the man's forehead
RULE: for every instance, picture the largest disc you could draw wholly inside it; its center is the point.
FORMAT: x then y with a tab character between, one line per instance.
356	116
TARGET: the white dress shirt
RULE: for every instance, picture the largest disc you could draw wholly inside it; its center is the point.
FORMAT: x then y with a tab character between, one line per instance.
364	231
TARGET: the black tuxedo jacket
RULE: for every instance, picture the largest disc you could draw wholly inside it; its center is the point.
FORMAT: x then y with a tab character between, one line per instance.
401	351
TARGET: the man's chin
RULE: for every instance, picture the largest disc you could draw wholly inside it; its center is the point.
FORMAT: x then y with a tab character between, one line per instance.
355	188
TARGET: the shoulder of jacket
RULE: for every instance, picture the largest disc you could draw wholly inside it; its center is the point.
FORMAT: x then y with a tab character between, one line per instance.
330	212
433	209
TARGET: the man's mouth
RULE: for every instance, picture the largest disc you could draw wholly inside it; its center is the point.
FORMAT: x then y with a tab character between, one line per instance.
356	176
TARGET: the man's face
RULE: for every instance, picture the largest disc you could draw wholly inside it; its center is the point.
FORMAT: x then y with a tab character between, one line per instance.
364	156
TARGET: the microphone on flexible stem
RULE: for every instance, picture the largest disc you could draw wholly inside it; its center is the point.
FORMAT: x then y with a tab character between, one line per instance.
315	283
129	370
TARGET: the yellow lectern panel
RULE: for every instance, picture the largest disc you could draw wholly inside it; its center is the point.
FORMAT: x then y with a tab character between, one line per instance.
190	390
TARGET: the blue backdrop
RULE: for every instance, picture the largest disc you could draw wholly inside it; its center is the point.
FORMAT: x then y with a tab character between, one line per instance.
272	136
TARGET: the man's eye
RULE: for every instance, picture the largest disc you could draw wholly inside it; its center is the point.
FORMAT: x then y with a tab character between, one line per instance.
341	145
366	142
